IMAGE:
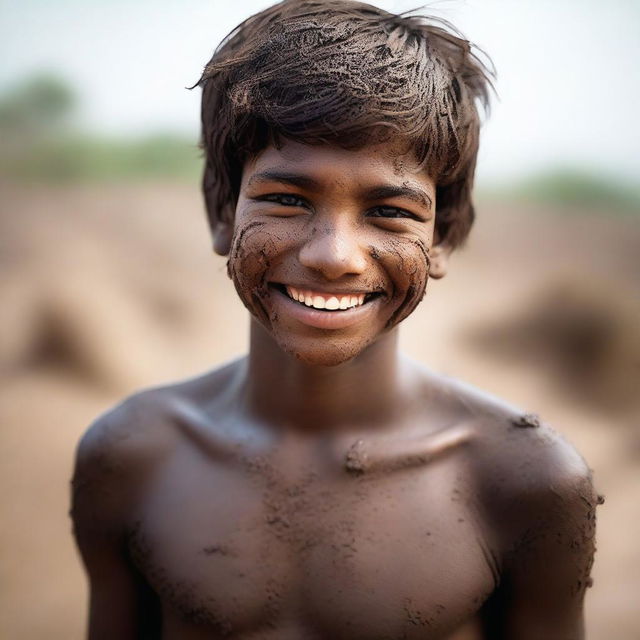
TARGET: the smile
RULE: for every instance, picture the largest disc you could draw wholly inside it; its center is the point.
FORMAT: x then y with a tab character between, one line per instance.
322	309
327	301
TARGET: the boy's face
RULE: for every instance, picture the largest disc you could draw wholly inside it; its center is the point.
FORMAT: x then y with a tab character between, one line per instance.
332	248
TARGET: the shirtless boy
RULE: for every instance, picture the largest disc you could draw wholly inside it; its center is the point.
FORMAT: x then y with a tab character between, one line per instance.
325	486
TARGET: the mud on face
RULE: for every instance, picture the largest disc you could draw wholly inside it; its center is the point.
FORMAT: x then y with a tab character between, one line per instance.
398	268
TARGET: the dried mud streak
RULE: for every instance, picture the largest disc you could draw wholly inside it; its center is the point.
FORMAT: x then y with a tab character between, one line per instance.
584	540
284	502
527	421
184	596
417	289
237	243
218	549
385	458
356	459
286	505
251	299
99	481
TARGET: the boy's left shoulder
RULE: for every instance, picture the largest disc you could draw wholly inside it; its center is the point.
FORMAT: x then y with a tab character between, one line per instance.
536	503
516	444
528	477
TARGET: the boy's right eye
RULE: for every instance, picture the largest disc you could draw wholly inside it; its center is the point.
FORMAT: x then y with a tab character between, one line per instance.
285	199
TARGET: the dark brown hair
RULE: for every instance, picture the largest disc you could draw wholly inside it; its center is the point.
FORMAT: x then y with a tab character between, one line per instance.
345	73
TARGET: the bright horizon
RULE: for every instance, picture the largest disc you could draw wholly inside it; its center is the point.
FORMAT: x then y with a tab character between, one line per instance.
567	71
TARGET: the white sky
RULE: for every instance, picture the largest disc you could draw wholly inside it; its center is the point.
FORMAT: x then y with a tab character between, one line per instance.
568	75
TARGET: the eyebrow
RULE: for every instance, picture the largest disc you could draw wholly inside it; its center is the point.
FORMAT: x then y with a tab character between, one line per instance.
294	179
390	191
380	192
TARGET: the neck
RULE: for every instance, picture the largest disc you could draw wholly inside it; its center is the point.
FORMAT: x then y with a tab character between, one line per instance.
285	391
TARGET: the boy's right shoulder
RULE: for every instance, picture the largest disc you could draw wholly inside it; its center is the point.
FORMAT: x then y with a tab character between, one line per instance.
113	458
139	426
147	426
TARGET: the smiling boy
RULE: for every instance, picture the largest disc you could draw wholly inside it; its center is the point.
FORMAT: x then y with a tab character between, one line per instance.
326	486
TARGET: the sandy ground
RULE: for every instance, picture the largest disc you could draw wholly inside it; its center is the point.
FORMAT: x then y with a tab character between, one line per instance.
108	288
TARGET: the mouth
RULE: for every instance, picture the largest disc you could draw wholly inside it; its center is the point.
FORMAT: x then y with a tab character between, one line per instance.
325	309
327	301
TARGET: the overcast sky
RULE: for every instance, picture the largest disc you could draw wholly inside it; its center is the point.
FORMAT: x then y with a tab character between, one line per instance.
568	75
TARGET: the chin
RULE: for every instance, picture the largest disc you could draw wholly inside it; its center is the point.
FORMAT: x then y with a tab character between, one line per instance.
324	352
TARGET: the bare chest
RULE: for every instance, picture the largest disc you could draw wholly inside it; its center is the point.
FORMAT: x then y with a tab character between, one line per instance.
242	549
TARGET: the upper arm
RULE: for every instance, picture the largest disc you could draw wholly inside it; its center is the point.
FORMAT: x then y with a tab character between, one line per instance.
114	592
546	570
99	510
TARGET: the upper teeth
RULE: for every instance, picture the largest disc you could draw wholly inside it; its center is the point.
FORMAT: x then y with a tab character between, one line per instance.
325	300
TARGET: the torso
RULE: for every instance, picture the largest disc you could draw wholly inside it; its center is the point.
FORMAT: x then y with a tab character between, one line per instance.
288	541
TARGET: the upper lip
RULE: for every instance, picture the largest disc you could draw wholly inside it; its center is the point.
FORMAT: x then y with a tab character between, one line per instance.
341	291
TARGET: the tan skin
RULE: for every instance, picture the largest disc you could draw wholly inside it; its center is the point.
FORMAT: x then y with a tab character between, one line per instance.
325	486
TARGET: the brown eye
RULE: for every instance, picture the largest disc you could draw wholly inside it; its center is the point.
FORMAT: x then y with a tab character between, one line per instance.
285	199
391	212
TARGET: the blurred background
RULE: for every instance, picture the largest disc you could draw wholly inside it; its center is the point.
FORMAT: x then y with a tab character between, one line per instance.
108	283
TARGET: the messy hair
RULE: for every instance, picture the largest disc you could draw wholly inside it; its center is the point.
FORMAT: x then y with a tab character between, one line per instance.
350	74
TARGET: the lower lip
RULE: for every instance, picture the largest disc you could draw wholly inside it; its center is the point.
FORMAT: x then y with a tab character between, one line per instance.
321	319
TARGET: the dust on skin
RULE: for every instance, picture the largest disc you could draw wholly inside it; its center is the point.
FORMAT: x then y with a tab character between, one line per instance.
370	498
388	456
251	257
259	247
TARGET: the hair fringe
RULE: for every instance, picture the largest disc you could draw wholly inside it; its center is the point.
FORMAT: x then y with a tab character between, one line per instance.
346	73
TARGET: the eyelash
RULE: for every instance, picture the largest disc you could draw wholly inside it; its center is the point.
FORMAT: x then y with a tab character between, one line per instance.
291	200
403	213
280	198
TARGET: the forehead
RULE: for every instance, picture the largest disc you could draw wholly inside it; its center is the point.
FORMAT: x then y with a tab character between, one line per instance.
327	164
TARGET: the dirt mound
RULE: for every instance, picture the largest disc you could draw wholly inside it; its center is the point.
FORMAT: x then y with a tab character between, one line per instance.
586	334
106	289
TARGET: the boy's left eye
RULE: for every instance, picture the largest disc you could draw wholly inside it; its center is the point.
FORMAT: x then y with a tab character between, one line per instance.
391	212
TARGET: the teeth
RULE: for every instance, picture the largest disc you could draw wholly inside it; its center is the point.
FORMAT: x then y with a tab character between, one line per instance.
331	302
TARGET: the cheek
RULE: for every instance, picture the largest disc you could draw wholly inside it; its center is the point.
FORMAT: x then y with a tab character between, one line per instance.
247	263
407	259
254	247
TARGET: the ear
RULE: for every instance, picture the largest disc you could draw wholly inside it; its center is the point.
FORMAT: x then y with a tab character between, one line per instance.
222	234
439	255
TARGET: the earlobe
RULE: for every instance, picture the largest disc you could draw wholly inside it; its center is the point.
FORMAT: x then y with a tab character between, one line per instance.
222	234
439	255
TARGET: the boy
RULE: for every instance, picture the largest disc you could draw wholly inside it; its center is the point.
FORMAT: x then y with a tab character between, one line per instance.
325	486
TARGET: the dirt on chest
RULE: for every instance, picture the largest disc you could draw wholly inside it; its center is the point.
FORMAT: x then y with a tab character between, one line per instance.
337	553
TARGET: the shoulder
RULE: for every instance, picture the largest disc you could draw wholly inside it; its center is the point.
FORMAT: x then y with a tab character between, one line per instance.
526	474
114	455
121	449
536	505
514	444
126	430
534	487
147	424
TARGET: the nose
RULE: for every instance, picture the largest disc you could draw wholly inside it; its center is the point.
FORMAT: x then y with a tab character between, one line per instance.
334	250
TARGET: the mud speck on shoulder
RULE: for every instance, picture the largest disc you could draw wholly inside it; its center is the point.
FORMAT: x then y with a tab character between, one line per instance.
527	421
356	458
